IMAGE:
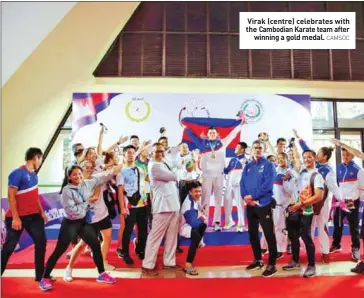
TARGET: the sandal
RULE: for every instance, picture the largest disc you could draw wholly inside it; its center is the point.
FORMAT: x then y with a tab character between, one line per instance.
190	271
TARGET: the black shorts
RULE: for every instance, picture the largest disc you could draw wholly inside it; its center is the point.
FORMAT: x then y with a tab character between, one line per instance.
103	224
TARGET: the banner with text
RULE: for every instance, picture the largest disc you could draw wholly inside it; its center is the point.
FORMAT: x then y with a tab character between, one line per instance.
297	30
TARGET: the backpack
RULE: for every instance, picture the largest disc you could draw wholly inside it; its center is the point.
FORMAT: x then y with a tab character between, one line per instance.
318	206
110	200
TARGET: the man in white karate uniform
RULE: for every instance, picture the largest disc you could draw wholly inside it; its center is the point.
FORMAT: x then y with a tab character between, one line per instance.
165	209
234	172
212	166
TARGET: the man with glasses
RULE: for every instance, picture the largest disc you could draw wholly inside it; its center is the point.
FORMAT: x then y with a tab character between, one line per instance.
165	208
256	186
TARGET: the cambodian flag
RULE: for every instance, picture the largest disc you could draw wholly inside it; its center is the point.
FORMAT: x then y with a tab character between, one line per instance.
86	106
199	127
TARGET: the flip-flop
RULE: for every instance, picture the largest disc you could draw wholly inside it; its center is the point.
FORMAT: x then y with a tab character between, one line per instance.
190	271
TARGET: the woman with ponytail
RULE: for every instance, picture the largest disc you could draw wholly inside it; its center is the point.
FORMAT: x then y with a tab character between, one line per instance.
77	195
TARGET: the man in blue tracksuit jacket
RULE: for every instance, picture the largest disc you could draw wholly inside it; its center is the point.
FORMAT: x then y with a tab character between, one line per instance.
256	187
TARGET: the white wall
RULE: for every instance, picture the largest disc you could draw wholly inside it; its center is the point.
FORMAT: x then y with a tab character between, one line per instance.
24	25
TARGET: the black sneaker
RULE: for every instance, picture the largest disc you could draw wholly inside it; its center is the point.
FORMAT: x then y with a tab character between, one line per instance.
179	250
292	266
310	271
269	271
334	249
140	255
120	253
128	260
255	265
359	268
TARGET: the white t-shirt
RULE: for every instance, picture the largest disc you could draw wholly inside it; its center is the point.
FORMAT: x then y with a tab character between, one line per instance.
128	177
304	183
99	208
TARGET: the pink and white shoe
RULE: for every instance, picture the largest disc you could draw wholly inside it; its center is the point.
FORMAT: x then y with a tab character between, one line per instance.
106	278
45	284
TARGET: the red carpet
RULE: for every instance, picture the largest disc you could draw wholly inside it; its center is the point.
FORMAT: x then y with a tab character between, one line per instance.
207	256
298	287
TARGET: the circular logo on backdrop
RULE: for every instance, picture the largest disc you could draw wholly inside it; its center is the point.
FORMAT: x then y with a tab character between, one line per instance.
138	110
253	110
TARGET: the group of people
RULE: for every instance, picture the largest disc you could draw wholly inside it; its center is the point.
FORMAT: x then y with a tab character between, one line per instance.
165	194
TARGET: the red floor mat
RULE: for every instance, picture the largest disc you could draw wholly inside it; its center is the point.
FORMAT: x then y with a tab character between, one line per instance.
207	256
297	287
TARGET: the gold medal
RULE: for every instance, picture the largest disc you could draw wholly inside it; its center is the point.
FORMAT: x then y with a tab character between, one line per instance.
212	150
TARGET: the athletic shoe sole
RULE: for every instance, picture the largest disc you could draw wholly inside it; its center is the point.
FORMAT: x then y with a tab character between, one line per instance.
336	250
253	269
309	276
45	290
106	282
269	275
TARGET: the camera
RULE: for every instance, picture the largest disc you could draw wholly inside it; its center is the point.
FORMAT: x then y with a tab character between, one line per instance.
291	142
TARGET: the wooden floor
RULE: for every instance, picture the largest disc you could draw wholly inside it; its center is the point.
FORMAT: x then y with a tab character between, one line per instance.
332	269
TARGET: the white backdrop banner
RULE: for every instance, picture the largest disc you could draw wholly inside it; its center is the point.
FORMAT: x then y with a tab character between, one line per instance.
144	114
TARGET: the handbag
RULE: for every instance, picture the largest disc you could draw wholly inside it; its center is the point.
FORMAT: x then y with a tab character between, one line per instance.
293	216
134	199
110	202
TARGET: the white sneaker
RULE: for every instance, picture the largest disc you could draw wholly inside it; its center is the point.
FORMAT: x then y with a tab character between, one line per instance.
229	225
201	244
240	229
68	274
217	227
109	267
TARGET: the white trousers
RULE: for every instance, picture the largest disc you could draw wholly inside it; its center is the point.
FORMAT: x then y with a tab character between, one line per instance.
233	193
321	221
164	225
215	183
279	220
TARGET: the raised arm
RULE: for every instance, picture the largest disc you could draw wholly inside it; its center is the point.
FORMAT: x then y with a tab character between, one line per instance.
102	177
302	142
101	138
198	142
297	159
145	145
351	150
230	137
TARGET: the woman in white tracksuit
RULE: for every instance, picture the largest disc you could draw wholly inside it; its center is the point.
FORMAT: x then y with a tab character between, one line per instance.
234	172
322	219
